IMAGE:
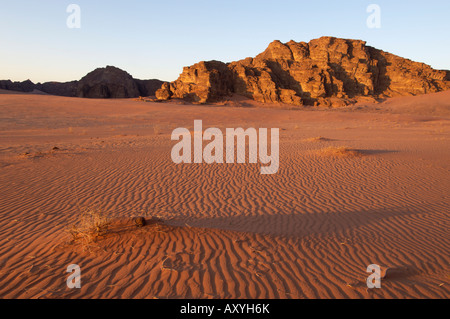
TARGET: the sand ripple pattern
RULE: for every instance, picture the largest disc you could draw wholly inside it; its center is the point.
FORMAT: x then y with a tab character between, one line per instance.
309	231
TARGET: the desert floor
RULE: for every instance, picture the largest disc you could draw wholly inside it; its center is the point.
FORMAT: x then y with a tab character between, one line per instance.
225	230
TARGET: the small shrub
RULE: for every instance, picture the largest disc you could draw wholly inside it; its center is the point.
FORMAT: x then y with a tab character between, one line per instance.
92	224
341	151
317	139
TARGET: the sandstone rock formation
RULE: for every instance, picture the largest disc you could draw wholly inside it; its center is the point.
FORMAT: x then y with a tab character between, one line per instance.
164	92
326	71
203	82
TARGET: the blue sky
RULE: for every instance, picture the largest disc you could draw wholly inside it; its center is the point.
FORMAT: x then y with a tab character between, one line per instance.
155	39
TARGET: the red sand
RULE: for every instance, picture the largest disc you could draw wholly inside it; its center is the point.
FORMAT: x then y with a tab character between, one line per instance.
309	231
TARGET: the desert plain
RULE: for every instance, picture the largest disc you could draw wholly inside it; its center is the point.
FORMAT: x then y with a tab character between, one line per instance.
225	230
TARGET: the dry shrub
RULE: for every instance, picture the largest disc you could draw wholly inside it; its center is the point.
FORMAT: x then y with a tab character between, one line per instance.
317	139
341	151
92	224
156	129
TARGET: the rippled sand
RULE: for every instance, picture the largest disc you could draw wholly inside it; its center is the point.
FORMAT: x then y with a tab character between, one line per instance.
225	230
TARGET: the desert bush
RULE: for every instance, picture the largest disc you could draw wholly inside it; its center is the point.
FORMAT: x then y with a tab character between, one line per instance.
341	151
92	224
317	139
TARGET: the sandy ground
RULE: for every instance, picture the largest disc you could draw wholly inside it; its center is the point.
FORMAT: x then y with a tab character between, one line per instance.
225	231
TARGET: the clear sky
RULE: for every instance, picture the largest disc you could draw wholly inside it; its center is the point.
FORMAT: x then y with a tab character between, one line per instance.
155	39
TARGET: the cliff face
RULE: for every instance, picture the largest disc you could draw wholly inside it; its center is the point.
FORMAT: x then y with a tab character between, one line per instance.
326	71
202	82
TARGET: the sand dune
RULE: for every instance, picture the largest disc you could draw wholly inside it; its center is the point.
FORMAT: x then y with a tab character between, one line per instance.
434	104
309	231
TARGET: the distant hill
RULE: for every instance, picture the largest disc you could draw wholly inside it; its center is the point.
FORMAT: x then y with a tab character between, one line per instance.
326	71
108	82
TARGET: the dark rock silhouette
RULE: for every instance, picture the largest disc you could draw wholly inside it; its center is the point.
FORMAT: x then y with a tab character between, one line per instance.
58	88
108	82
25	86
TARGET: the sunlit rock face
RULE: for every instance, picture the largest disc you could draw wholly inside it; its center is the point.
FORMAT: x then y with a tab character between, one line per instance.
326	71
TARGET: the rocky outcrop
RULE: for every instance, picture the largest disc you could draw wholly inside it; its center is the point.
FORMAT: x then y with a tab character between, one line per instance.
53	88
327	71
25	86
148	87
58	88
109	82
203	82
164	92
